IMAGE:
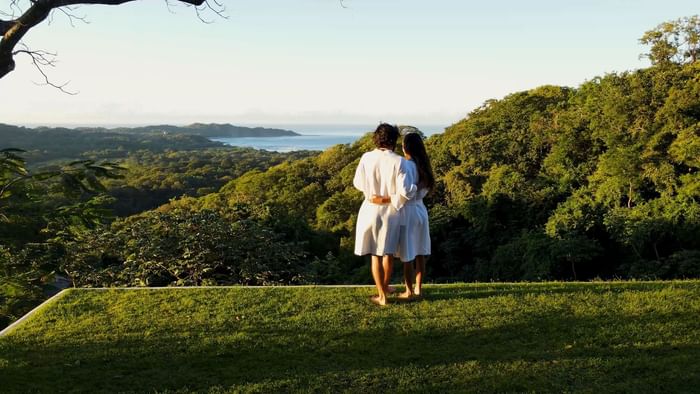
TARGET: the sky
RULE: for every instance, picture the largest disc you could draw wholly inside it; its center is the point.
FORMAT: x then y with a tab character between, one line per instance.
276	62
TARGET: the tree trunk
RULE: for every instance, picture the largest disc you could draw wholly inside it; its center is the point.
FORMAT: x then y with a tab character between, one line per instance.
7	65
656	251
629	197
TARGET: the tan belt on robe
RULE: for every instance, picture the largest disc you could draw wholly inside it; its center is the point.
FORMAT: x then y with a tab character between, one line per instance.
379	200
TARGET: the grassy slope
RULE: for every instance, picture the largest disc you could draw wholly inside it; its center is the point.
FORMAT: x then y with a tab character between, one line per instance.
610	337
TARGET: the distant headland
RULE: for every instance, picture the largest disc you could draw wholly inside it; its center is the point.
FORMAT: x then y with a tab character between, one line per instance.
53	143
209	130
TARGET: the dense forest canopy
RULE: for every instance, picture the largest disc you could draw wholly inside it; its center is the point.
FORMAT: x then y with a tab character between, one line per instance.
152	179
596	181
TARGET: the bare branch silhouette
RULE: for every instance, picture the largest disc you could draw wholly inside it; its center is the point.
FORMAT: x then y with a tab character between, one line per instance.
68	11
42	59
16	22
168	5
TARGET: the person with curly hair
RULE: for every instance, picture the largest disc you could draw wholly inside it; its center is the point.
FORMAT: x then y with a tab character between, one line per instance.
381	177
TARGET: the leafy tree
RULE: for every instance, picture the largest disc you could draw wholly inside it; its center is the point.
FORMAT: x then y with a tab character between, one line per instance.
38	213
674	42
534	256
182	247
153	178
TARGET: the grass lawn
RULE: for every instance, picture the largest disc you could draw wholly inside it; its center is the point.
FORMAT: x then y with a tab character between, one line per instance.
548	337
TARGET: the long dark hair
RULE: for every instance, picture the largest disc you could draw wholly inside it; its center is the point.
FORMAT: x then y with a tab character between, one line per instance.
413	145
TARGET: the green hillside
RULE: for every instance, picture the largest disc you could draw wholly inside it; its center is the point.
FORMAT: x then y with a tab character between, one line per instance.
546	337
554	183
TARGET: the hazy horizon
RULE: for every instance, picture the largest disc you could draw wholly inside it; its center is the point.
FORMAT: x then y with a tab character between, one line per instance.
312	62
331	127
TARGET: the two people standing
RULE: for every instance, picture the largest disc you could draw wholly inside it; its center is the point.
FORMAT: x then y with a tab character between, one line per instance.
393	220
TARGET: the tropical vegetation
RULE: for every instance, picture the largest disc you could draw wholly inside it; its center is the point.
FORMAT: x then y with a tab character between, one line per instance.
553	183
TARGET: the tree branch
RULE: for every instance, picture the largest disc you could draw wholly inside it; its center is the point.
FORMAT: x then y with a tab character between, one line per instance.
218	11
34	15
5	26
63	3
13	30
13	10
42	59
68	11
9	184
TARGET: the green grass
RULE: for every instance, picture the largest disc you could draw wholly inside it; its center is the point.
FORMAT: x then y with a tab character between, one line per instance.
550	337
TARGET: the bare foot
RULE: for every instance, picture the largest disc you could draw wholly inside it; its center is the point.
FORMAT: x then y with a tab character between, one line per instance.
378	301
406	295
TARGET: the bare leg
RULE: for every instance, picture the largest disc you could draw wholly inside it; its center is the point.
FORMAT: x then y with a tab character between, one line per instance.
388	265
378	275
408	280
420	272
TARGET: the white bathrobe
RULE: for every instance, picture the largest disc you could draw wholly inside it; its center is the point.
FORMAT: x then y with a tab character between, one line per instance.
382	173
414	239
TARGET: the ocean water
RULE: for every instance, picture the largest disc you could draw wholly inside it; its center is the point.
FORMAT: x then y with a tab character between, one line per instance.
289	144
313	137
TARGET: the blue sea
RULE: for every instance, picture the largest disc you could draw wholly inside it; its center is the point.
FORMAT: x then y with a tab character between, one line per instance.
313	137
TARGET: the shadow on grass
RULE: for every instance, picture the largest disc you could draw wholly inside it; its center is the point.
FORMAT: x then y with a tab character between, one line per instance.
544	352
434	293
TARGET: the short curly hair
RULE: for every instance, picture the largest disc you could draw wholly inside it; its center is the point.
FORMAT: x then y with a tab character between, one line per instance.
385	136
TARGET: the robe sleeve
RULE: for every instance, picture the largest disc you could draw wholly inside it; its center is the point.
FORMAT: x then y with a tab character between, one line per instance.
406	187
423	192
360	178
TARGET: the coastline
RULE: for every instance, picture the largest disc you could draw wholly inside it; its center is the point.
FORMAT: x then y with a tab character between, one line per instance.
313	137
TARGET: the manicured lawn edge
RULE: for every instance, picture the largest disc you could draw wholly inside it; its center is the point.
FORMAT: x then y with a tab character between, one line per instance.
479	337
60	294
29	314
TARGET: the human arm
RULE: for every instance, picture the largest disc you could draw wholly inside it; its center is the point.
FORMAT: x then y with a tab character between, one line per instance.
359	180
406	187
380	199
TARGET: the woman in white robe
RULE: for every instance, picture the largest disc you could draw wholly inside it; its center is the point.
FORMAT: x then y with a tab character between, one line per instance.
414	238
381	177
